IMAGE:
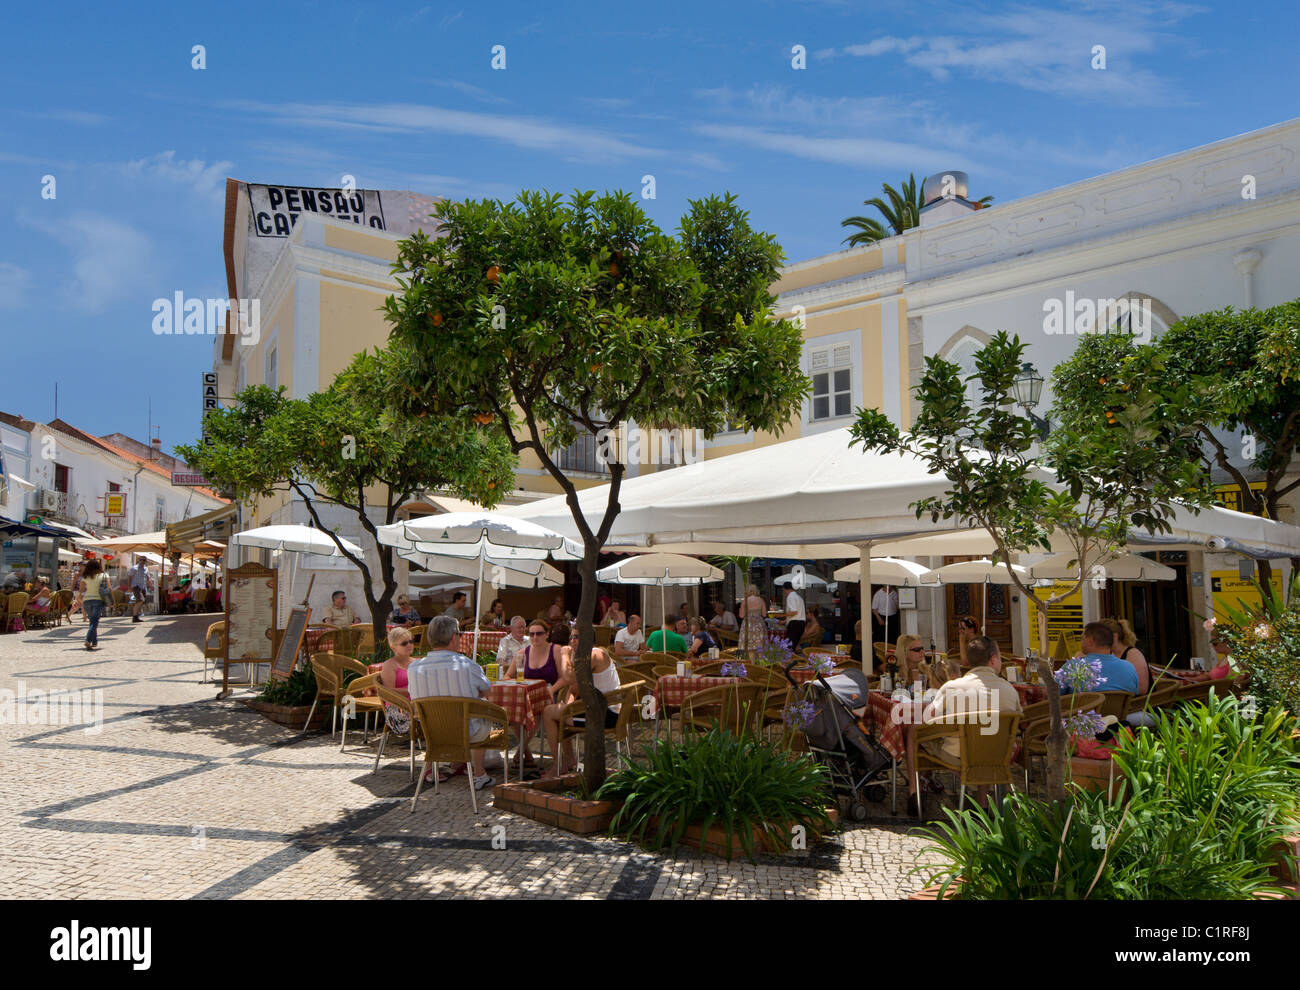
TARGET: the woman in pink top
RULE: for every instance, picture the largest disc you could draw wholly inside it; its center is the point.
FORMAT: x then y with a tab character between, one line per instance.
393	676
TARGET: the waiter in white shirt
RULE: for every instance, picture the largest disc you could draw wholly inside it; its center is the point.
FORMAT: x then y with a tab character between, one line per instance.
795	617
884	614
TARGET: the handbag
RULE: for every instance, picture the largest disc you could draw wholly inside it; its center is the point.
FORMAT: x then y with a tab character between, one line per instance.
105	593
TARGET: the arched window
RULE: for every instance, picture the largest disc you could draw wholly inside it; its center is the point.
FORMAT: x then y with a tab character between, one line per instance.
1135	313
960	350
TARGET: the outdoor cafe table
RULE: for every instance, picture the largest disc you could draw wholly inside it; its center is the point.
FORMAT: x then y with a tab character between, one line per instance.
888	718
522	700
486	641
673	689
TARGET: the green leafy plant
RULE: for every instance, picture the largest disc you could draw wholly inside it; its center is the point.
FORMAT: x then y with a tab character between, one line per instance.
299	688
741	784
1265	643
1203	797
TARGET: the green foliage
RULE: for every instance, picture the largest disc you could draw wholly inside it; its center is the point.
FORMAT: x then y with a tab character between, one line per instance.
1204	795
583	312
716	778
551	318
1265	643
299	688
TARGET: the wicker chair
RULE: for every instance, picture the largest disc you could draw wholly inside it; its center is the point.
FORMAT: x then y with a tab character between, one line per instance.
1198	691
984	757
59	605
627	697
711	669
659	658
340	641
604	637
737	707
643	668
327	686
14	609
417	638
37	618
121	602
1117	703
356	697
725	637
445	725
365	640
214	647
403	703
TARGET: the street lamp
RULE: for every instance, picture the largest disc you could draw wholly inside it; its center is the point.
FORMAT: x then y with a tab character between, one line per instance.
1028	389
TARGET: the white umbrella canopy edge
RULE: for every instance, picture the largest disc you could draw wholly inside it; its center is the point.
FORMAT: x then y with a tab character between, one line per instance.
295	538
886	570
662	569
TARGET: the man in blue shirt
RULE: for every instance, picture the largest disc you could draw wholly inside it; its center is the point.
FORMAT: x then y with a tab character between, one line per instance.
1096	645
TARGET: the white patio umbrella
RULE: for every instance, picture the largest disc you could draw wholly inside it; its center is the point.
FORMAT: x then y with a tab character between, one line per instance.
494	539
293	539
1118	567
982	571
514	574
800	579
663	569
886	570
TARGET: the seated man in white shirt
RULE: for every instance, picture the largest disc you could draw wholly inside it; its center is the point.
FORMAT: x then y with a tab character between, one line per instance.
512	643
723	618
629	642
982	690
444	673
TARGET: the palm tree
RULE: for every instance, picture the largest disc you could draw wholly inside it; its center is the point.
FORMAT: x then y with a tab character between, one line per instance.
902	212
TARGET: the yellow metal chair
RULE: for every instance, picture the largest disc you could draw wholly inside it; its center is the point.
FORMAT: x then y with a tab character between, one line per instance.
984	757
355	701
626	696
214	647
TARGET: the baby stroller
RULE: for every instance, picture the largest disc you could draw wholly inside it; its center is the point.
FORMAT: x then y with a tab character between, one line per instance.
837	739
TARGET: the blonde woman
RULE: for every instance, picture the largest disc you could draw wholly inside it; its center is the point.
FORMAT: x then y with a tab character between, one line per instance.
753	621
1125	647
403	614
910	655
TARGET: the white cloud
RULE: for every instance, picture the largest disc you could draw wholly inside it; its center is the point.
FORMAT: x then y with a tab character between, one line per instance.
207	181
1052	50
571	142
14	283
109	259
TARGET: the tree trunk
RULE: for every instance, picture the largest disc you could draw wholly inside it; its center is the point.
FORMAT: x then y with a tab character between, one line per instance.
594	702
1264	572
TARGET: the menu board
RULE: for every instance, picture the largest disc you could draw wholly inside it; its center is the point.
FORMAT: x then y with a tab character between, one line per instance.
250	596
294	630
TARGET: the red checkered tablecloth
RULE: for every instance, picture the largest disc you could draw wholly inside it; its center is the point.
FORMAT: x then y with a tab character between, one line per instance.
805	674
486	641
887	718
1030	693
522	700
672	690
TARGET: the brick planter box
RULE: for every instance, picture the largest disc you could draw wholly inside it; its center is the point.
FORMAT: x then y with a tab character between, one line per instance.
1093	775
291	717
715	843
931	893
541	801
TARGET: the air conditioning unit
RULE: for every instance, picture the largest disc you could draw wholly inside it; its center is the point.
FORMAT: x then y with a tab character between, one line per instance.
49	501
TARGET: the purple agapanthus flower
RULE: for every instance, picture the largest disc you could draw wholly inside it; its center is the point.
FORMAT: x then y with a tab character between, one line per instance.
823	665
1085	725
1080	674
777	651
799	714
732	668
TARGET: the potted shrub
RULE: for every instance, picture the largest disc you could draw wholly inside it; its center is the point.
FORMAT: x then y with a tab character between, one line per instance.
722	793
559	801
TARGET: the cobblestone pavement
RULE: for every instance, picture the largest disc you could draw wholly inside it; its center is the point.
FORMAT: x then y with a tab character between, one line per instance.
182	796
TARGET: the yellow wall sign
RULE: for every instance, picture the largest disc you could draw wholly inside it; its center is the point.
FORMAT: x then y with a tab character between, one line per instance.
1229	496
1064	619
115	505
1229	589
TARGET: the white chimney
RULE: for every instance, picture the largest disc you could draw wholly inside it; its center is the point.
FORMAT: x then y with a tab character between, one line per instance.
944	195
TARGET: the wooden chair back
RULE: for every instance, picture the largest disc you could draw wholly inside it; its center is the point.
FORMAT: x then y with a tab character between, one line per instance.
417	638
214	641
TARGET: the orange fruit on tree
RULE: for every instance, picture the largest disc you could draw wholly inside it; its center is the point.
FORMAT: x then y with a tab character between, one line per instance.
494	273
436	319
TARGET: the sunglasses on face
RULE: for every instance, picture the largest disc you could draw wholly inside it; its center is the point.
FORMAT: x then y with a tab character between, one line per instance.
405	642
916	649
536	632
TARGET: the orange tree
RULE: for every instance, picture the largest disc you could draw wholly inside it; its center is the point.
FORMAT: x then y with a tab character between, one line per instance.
554	318
1079	491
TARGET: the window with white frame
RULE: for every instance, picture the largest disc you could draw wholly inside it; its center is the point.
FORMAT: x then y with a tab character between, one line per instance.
160	513
831	371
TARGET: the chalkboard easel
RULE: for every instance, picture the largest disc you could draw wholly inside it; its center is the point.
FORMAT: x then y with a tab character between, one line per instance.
295	628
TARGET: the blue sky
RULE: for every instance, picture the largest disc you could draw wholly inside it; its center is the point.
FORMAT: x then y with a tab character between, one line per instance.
594	95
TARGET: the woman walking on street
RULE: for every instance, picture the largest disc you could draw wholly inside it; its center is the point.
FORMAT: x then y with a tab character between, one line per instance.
95	588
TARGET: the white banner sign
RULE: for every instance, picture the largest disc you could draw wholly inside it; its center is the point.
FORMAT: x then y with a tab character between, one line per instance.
277	208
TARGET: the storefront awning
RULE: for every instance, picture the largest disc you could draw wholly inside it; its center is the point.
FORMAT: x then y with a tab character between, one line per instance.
188	535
